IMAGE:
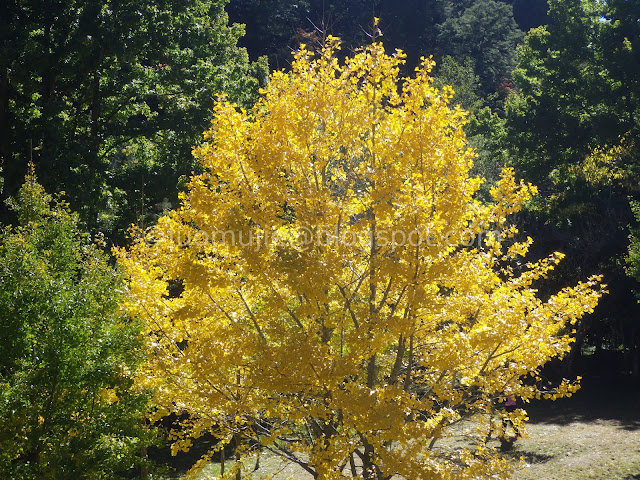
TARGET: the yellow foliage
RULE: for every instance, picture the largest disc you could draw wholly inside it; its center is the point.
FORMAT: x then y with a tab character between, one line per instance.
605	165
330	287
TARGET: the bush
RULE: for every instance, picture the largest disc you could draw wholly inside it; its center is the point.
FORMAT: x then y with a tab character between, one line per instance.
66	354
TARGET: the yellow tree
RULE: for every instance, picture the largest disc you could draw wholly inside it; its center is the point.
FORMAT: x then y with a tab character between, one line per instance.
331	290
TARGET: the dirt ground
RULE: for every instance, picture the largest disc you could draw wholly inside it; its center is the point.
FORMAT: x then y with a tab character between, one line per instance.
594	435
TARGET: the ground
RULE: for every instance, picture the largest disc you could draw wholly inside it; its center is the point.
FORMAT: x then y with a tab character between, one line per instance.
594	435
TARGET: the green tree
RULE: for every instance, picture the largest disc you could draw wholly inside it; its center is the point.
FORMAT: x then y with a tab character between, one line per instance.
108	98
460	75
573	124
485	128
633	270
486	32
573	121
578	80
66	354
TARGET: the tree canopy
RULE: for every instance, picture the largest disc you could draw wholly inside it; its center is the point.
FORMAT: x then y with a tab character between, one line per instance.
323	292
577	82
66	352
572	127
487	33
108	98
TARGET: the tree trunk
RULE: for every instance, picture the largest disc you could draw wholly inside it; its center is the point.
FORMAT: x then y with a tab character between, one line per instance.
144	469
236	437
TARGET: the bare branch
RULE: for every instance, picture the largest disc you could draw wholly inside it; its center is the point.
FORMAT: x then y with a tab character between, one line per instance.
253	317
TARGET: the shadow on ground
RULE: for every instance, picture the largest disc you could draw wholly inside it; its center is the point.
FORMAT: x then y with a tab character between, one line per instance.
614	399
599	399
532	457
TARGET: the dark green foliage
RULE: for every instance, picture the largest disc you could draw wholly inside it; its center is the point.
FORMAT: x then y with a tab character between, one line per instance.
578	91
485	129
66	355
277	27
633	270
579	84
409	25
108	98
272	27
633	257
487	33
488	136
577	98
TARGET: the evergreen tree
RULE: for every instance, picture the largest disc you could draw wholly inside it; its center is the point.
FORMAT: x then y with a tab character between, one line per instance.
530	14
487	33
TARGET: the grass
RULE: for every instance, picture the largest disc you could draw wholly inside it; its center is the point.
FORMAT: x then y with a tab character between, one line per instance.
594	435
